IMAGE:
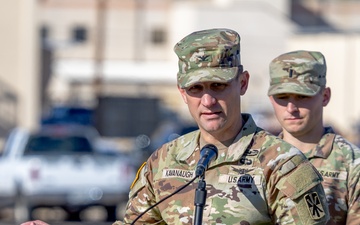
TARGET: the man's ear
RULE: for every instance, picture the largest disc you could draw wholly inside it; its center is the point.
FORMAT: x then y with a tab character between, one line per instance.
244	82
183	93
326	96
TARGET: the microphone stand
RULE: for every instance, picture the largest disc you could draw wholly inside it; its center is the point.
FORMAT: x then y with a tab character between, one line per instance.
200	198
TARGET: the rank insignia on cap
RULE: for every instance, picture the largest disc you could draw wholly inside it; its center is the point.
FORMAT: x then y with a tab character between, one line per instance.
314	205
291	71
203	58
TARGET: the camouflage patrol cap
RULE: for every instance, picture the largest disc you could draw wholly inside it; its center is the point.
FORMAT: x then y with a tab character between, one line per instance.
298	72
208	55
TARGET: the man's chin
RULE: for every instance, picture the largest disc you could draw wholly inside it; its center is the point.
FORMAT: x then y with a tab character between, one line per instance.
212	129
293	127
295	132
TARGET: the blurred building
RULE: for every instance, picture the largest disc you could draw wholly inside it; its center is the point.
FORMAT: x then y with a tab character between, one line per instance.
124	48
19	60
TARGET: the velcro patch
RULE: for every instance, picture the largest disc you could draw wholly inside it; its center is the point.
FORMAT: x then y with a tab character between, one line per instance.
299	181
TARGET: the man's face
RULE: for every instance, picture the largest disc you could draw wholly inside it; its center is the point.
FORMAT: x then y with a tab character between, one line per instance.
216	106
299	114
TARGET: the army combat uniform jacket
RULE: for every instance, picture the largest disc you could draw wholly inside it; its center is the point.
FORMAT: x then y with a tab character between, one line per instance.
258	179
338	161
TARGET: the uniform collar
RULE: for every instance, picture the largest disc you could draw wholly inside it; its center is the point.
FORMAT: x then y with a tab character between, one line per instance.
324	147
234	152
242	140
190	144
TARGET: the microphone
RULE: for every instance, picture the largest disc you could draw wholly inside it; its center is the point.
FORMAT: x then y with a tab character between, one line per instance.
208	153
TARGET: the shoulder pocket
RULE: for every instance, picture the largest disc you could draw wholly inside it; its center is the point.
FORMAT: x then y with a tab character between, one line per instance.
299	181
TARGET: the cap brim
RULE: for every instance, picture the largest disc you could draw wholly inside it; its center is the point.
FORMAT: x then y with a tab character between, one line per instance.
221	75
294	88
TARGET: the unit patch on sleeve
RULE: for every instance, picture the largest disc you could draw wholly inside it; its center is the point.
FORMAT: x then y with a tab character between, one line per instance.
314	205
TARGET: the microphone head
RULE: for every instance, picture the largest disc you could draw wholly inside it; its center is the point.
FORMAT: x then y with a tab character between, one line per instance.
209	149
208	153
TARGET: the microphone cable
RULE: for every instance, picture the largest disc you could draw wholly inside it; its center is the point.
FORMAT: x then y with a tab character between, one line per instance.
175	192
207	153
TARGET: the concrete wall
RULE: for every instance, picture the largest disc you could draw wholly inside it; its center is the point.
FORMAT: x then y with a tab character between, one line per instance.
19	59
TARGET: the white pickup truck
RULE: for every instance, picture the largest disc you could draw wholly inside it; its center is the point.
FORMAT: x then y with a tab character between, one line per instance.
62	166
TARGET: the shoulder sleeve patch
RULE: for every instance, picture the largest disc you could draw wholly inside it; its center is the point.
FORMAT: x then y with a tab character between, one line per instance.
139	180
137	175
316	210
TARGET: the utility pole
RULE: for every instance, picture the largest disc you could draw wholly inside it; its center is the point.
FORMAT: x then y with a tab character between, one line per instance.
139	30
99	46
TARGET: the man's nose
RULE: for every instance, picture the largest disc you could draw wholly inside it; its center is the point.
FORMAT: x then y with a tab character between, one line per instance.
207	99
291	107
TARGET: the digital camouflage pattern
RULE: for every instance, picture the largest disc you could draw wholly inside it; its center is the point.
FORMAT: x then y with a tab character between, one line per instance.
208	55
258	179
298	72
338	161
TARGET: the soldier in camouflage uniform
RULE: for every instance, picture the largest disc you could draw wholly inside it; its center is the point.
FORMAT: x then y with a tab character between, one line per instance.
298	94
256	179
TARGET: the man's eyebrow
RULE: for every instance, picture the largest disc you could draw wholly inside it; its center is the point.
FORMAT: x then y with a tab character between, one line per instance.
281	95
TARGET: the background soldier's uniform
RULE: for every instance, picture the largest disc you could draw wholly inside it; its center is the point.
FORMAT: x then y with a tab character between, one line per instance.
338	161
258	179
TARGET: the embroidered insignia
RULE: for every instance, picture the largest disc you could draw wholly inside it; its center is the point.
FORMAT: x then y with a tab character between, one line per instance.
341	175
178	173
291	71
251	152
203	58
246	158
245	181
242	170
245	161
137	175
314	205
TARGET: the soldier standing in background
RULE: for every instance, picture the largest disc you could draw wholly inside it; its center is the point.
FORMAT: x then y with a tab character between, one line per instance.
298	94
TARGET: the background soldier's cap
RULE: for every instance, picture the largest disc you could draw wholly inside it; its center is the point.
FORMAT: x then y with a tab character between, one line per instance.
299	72
208	55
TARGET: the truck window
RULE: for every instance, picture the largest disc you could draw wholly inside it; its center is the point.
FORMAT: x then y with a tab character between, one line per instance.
57	145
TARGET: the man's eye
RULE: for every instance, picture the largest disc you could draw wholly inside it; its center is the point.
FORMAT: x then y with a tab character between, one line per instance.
195	89
218	86
302	97
281	96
